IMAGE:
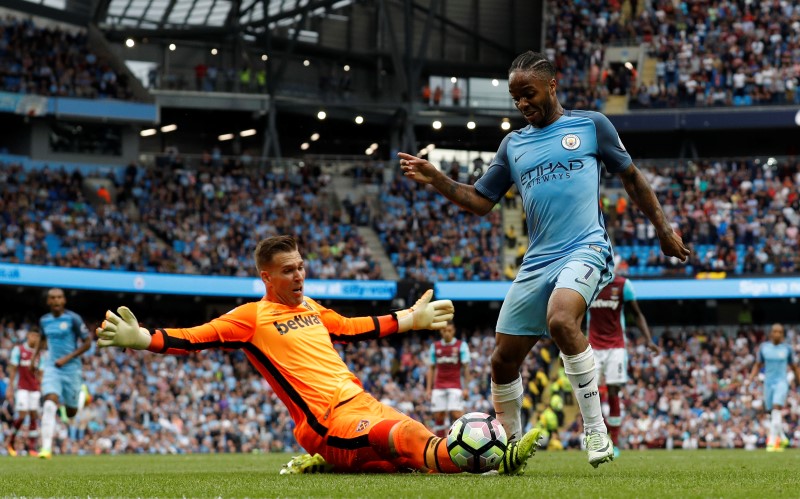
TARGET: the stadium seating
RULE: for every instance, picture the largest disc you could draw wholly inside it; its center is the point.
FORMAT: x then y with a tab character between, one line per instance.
54	62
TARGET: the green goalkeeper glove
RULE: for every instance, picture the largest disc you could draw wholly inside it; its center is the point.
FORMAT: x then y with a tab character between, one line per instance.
425	314
122	331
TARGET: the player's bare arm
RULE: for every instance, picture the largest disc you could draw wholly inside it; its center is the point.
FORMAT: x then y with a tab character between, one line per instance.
642	194
12	374
641	323
465	370
465	196
37	352
87	343
754	372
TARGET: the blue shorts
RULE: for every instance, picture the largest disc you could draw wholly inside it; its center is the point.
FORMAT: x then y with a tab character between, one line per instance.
775	394
64	383
524	311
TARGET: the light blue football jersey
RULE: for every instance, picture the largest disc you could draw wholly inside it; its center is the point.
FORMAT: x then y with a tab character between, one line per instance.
62	334
776	360
557	171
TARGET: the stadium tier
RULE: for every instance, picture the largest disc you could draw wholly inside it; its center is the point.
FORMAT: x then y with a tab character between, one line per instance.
740	216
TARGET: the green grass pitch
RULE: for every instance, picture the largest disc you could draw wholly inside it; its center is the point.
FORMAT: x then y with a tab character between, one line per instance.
565	474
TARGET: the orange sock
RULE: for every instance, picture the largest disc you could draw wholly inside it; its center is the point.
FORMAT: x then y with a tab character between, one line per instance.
419	449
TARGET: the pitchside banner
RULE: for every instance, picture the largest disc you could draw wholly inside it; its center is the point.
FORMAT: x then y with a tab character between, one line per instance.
659	289
143	282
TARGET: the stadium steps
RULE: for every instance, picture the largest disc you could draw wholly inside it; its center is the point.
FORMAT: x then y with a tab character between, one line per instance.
513	217
648	73
616	104
388	271
343	188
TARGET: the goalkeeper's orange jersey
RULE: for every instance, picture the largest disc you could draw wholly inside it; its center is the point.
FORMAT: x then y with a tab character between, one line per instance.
292	348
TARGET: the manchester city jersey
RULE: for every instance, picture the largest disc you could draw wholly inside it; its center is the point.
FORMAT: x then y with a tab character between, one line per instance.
776	359
62	334
557	171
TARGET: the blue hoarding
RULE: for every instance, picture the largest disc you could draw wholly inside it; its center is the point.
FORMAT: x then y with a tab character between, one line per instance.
143	282
659	289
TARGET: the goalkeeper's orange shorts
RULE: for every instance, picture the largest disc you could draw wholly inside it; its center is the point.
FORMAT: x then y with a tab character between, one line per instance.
346	445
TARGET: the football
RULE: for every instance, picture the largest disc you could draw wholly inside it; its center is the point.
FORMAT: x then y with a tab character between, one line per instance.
476	442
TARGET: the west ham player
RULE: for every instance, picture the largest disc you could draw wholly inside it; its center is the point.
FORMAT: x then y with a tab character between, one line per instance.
555	162
287	337
26	396
775	356
449	359
606	326
67	338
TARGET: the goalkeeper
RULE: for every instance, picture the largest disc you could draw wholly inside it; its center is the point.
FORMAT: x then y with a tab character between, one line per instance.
288	338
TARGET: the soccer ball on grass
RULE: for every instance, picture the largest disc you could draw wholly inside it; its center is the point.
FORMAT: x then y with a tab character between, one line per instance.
476	442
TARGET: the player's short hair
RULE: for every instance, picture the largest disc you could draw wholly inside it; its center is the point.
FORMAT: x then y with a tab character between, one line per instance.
535	62
269	247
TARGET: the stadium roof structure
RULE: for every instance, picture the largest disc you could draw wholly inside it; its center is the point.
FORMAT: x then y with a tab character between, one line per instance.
161	14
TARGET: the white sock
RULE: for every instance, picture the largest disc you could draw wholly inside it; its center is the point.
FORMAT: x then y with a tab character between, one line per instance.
507	401
81	399
48	424
582	373
777	424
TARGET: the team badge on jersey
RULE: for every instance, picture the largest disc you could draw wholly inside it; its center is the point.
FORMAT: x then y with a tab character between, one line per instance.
362	425
570	142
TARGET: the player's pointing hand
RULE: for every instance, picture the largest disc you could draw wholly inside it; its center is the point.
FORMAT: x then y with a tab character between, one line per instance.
417	169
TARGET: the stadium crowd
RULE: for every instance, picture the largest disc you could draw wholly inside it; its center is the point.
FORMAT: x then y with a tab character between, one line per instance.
430	238
692	395
206	222
695	393
740	216
45	219
52	61
725	54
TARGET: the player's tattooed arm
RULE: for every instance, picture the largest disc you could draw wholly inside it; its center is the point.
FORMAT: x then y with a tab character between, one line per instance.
465	196
642	194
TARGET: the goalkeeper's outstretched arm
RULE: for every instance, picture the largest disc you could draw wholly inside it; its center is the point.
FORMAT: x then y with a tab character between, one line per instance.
425	314
123	330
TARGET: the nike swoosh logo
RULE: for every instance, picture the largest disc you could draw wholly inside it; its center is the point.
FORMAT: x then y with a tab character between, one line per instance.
581	282
585	384
516	158
604	448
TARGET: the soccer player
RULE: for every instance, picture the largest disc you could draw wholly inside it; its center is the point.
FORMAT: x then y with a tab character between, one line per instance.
775	357
67	338
555	164
26	396
288	339
449	358
606	326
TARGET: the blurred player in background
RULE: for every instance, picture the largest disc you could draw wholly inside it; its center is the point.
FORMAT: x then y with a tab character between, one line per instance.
66	338
775	356
25	376
606	326
555	164
449	359
288	339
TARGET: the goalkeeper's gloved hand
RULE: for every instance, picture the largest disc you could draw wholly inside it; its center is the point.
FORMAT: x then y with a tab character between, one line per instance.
122	331
425	314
